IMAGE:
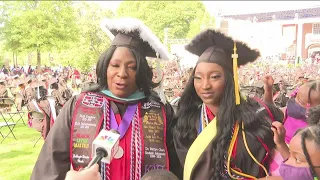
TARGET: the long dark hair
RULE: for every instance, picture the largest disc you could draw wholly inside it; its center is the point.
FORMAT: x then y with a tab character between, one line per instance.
143	76
256	125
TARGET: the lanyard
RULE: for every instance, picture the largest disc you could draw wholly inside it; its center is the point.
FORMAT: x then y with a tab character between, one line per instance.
126	120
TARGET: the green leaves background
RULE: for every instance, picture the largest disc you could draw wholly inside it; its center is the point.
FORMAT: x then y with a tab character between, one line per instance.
70	33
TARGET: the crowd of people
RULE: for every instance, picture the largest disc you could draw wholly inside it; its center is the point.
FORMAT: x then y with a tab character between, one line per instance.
43	91
232	116
251	78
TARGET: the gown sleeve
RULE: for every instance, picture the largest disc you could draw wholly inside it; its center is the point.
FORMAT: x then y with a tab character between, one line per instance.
54	162
175	166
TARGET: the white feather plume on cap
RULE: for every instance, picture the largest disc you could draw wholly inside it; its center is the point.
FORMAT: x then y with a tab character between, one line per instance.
129	25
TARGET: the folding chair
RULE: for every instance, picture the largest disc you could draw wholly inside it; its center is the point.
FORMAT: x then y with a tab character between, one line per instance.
10	102
7	124
36	118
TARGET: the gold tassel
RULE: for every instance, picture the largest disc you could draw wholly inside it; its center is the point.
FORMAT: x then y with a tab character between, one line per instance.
235	74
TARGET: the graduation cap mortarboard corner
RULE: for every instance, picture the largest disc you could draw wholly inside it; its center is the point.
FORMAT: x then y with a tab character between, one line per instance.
215	47
28	80
133	33
20	83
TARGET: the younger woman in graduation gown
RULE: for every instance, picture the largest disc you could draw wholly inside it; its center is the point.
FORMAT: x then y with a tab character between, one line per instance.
216	137
123	101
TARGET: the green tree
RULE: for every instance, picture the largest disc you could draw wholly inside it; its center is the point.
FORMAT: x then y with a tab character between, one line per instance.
39	26
201	22
9	35
183	18
93	41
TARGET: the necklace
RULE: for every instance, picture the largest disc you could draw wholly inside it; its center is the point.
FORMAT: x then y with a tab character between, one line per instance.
204	116
203	122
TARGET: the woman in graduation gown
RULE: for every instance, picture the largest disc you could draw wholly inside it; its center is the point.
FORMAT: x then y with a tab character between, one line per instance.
123	101
216	136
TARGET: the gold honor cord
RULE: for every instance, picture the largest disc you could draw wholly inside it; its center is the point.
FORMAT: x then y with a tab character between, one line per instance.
235	74
233	140
247	147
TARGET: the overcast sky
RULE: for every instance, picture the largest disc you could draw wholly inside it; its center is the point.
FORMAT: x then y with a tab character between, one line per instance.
238	7
243	7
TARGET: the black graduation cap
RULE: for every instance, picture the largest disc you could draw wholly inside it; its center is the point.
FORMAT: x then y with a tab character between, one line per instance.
29	81
215	47
133	33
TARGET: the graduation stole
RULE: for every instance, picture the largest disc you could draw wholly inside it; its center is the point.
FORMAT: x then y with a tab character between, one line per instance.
205	138
88	118
198	147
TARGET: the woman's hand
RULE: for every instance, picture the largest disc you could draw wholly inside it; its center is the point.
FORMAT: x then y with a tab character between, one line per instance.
88	174
268	86
279	133
268	82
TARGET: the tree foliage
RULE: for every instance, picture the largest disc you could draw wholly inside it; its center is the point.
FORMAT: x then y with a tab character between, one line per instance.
70	32
93	41
201	22
183	18
39	26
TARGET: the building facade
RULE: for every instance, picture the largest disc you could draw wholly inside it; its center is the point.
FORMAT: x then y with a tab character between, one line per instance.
291	33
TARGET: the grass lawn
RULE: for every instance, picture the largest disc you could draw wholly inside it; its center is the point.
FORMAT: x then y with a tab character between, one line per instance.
17	157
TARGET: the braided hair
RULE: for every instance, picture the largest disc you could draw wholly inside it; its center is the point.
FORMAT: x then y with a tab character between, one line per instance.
311	133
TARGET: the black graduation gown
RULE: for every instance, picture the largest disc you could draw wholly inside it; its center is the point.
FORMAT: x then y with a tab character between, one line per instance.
54	159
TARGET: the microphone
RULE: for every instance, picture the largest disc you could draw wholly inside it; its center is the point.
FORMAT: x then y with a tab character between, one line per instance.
159	174
104	147
100	153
